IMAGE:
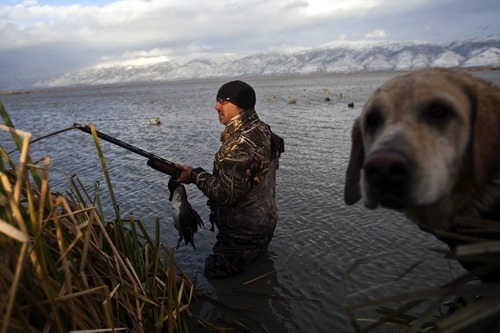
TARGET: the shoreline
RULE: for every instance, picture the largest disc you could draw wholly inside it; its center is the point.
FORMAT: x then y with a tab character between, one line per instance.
70	88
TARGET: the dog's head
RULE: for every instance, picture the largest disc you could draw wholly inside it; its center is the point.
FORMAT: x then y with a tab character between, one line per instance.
422	139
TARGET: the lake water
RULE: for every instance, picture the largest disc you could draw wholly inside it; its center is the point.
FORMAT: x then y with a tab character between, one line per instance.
318	237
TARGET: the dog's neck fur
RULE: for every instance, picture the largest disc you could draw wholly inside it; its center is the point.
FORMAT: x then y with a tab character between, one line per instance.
481	202
485	202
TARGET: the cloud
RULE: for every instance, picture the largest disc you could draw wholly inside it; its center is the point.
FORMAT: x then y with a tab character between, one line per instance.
127	23
136	58
75	33
376	34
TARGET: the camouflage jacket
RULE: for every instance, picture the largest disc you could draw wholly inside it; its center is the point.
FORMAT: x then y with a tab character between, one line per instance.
242	184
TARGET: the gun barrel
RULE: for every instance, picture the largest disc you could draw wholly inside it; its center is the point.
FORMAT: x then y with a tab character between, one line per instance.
166	166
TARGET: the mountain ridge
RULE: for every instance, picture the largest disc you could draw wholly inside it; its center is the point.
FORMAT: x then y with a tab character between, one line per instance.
336	57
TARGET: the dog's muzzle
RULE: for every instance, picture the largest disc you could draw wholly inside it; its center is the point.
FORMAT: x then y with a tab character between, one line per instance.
387	174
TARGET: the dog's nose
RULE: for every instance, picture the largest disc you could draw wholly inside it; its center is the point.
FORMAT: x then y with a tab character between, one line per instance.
386	168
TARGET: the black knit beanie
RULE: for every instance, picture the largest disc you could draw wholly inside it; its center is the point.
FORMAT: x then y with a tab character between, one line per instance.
239	93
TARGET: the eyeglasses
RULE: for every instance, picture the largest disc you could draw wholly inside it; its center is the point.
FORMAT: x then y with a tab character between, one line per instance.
221	100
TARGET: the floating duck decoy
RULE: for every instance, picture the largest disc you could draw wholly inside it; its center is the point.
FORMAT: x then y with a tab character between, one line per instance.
156	121
350	105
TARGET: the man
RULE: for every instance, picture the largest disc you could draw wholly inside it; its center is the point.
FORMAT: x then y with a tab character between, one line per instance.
241	189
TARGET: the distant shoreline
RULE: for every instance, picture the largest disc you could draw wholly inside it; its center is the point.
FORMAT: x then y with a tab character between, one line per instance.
56	89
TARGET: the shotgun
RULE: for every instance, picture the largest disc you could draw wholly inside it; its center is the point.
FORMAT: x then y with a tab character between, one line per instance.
156	162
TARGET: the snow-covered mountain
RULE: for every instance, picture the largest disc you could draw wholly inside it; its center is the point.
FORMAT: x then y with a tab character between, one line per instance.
340	57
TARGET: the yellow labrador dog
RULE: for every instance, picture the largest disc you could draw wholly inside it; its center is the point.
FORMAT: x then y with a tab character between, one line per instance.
428	144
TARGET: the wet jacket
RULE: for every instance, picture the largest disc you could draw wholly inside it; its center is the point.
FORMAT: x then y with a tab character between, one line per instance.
242	187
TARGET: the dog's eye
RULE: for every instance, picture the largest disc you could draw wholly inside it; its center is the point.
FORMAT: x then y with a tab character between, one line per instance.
373	121
438	112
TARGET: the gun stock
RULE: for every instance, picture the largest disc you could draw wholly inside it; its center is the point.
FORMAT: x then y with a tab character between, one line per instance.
155	162
168	168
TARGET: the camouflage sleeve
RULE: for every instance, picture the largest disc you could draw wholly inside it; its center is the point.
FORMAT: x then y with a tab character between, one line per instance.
238	166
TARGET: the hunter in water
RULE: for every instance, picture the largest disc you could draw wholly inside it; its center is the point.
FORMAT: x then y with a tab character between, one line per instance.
241	187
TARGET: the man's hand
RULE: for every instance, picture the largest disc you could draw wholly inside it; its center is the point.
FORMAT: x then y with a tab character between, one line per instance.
185	176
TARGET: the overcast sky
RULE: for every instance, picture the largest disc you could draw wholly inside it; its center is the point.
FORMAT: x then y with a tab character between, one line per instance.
48	37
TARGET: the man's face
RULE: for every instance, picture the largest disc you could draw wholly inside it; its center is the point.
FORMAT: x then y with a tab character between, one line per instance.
226	110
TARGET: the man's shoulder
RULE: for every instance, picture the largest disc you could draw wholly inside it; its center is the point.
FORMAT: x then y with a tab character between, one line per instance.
258	125
253	136
258	130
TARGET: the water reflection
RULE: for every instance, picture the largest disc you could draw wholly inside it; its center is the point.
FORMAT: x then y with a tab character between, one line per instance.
253	299
317	237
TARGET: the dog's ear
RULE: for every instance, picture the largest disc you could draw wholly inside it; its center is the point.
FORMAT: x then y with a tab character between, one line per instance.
352	191
486	133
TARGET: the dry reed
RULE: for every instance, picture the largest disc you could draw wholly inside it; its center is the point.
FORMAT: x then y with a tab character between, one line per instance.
63	268
463	305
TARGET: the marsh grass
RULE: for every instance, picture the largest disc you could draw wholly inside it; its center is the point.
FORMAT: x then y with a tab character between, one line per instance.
64	268
464	304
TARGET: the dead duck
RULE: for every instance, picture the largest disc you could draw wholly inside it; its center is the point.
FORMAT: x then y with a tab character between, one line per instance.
186	219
